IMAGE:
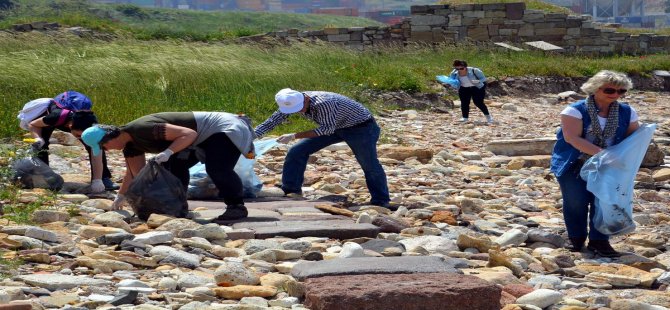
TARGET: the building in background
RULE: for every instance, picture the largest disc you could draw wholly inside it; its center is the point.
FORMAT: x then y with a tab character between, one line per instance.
629	13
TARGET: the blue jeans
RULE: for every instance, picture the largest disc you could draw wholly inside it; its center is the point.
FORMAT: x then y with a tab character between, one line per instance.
576	202
362	139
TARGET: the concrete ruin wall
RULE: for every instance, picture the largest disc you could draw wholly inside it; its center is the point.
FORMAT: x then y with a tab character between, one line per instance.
498	22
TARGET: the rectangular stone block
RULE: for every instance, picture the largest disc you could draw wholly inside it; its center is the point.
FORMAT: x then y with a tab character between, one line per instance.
507	32
478	33
522	147
477	14
373	265
416	28
515	11
436	291
469	21
499	14
455	20
485	21
550	32
338	37
428	20
426	36
493	30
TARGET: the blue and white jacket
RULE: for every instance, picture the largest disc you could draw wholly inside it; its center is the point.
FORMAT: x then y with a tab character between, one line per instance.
474	74
565	155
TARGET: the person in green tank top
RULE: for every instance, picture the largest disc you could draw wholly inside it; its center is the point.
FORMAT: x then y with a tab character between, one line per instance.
181	139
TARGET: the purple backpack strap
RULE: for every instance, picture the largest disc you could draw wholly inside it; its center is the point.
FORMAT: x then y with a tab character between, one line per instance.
63	116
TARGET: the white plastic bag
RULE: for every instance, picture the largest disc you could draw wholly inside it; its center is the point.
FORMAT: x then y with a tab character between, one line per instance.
610	176
200	186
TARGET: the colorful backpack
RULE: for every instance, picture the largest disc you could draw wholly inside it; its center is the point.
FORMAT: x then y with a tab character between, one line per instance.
71	101
33	110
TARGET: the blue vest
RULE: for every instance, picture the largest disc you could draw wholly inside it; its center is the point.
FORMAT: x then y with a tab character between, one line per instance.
565	155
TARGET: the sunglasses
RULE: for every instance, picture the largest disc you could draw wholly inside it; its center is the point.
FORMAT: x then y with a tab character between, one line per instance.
458	68
611	91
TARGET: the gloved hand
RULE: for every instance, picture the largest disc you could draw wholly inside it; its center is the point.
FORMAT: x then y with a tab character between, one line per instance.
38	144
118	202
286	138
163	156
97	186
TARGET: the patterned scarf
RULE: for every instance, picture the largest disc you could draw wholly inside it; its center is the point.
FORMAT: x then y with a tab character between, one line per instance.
601	136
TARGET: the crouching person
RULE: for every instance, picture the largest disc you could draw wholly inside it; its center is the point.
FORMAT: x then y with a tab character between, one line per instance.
181	139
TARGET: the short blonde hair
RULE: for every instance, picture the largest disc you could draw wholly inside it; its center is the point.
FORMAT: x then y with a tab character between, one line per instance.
606	77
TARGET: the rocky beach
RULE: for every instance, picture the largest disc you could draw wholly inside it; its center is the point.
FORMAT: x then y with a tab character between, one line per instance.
479	226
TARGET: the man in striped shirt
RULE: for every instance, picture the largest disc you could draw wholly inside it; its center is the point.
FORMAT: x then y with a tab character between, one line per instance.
340	119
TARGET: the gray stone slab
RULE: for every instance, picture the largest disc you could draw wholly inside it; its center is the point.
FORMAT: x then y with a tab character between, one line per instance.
373	265
522	147
55	282
545	46
662	73
337	229
507	46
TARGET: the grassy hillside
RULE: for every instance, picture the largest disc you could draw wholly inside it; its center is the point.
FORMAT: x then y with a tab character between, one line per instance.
150	23
530	4
129	78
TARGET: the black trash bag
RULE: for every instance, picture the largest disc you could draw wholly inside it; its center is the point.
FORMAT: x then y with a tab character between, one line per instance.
157	190
34	173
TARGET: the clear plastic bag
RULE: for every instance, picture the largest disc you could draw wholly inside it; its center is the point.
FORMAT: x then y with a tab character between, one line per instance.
34	173
610	176
156	190
201	186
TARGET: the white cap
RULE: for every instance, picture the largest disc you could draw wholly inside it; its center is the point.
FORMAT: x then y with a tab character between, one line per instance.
289	101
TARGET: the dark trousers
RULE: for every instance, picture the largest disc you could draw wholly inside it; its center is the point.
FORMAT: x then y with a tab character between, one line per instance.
221	157
43	153
578	206
477	96
362	139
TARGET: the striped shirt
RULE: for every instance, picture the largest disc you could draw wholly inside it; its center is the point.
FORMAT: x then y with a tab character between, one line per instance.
330	110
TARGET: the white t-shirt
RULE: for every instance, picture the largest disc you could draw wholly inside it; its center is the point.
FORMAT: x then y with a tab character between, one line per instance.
465	81
570	111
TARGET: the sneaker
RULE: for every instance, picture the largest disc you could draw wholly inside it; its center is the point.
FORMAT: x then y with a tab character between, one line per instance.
233	212
110	185
463	119
602	248
489	119
577	243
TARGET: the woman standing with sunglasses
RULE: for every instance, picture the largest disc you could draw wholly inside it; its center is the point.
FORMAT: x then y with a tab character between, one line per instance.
587	127
471	85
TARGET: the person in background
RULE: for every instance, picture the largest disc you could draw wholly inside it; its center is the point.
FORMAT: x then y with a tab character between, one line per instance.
74	122
472	85
587	127
340	119
181	139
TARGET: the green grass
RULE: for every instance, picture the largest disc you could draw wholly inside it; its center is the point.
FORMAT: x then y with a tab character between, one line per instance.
530	4
659	31
129	78
155	23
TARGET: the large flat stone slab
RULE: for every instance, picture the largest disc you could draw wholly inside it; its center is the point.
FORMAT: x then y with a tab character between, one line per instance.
373	265
508	46
54	282
545	46
522	147
445	291
337	229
